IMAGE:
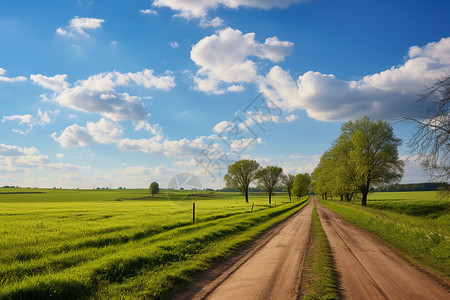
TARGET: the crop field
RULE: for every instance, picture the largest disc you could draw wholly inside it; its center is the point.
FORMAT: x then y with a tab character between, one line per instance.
121	243
415	223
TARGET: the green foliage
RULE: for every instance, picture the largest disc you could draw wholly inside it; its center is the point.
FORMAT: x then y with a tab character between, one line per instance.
423	239
288	183
120	249
154	188
301	185
319	269
240	175
364	154
269	179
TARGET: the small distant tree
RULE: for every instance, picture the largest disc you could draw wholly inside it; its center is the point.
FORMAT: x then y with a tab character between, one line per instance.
288	183
269	179
154	188
240	175
301	185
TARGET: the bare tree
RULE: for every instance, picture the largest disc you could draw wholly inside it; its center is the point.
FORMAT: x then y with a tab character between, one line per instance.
431	140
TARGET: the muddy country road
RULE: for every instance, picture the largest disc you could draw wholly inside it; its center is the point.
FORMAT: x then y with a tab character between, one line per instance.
369	269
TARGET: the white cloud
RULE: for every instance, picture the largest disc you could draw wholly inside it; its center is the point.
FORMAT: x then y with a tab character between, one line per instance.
98	94
78	26
199	8
238	145
223	126
235	88
104	132
10	79
42	118
178	149
174	44
17	159
56	83
149	12
380	95
224	58
216	22
60	155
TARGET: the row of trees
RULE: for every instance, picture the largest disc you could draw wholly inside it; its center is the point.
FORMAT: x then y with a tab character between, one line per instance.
243	172
365	154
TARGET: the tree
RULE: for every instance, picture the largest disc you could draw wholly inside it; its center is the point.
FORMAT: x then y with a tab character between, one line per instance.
301	185
269	179
365	154
373	156
240	175
288	183
154	188
431	140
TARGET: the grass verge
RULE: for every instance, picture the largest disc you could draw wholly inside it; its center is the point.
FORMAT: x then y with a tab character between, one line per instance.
423	240
319	277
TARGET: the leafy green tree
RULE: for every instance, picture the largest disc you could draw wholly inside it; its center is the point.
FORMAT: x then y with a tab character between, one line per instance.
240	175
365	154
301	185
269	179
288	183
154	188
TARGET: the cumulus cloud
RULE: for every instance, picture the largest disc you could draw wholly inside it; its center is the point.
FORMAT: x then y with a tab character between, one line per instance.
5	78
380	95
16	159
149	12
78	26
199	8
104	132
98	93
42	118
224	58
170	148
223	126
216	22
56	83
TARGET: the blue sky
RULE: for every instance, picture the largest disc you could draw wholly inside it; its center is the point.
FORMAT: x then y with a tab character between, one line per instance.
121	93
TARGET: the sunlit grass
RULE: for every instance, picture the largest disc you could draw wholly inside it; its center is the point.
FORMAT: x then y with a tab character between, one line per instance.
102	244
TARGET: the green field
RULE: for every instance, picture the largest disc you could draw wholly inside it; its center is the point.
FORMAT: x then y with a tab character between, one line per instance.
121	243
415	223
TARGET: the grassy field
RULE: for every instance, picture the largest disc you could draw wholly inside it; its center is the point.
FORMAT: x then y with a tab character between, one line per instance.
120	243
415	223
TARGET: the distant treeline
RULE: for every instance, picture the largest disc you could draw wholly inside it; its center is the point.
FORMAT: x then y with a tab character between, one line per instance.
424	186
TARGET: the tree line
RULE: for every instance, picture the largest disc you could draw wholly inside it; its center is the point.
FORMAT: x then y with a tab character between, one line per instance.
364	155
244	172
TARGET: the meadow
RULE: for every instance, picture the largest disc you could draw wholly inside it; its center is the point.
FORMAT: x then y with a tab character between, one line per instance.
417	224
70	244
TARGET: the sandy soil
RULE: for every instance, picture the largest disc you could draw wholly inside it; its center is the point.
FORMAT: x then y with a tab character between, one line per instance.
269	269
369	269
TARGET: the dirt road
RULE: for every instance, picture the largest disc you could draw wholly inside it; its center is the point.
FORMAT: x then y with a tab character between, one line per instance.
269	270
371	270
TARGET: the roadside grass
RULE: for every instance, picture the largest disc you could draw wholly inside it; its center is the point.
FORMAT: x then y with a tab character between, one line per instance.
104	248
425	204
425	240
319	279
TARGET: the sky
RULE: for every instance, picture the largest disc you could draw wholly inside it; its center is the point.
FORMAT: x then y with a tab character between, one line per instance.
122	93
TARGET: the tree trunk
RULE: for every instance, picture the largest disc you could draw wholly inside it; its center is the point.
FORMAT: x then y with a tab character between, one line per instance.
342	197
364	198
270	198
246	197
289	196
